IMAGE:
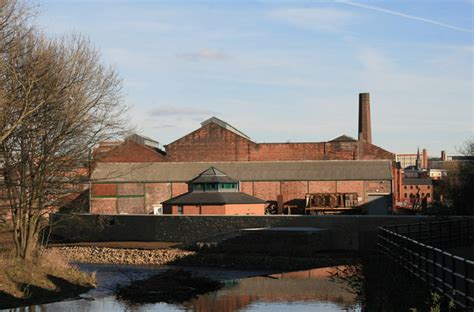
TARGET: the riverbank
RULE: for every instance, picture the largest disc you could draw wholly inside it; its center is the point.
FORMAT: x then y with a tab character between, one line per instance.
48	278
93	254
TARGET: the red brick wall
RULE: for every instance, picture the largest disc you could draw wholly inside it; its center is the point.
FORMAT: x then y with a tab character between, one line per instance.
286	151
267	190
130	189
178	189
229	209
350	187
130	151
247	188
131	205
104	205
209	143
293	193
322	186
156	193
214	143
104	189
293	190
369	151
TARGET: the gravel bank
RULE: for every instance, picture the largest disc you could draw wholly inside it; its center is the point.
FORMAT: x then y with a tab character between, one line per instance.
121	256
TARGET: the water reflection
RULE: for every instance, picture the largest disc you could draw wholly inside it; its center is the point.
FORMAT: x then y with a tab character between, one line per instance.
304	287
311	290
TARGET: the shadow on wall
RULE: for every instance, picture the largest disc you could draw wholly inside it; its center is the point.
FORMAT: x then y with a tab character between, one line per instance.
80	204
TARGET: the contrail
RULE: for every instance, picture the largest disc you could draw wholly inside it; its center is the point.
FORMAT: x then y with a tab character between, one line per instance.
413	17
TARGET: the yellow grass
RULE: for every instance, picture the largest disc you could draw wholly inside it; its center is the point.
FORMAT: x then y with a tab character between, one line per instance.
17	277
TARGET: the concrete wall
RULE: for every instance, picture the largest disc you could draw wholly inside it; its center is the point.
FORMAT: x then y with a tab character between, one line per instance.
347	232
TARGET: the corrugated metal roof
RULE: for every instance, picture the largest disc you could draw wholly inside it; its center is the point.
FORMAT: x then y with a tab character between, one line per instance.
325	170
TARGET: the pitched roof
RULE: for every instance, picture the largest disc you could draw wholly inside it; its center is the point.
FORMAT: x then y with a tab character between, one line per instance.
213	198
322	170
212	175
344	138
224	125
418	181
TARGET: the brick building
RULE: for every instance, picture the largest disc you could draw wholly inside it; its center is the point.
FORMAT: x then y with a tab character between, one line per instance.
213	192
417	192
140	187
121	180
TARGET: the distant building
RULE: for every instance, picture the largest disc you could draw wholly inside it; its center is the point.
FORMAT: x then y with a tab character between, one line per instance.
213	192
417	192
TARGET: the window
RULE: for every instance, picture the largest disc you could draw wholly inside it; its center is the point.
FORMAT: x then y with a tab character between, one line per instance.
428	195
411	187
428	187
405	195
405	187
227	186
180	209
197	187
210	186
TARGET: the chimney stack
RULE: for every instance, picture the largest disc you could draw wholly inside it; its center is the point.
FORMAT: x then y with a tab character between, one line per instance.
365	128
443	156
425	159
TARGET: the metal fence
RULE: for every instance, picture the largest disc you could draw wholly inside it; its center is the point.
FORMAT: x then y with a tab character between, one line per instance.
416	247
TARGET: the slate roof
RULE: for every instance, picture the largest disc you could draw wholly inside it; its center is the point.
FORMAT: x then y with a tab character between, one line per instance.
213	175
324	170
344	138
419	181
213	198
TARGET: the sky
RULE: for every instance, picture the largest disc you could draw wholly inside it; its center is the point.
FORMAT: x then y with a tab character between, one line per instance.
287	71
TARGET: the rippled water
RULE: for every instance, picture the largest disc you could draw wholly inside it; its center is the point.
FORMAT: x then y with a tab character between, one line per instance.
310	290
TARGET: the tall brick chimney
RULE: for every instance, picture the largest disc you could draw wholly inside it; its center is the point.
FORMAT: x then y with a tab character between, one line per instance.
425	159
365	128
443	156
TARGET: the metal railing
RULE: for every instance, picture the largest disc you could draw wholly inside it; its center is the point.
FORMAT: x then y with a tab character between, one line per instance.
412	246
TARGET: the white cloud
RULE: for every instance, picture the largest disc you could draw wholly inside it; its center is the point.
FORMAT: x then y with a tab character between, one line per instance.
203	55
373	60
172	110
319	19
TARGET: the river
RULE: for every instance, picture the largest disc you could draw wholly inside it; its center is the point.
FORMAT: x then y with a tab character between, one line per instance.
310	290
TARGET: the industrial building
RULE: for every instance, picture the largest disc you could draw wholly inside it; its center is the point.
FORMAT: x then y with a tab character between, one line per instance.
213	192
136	177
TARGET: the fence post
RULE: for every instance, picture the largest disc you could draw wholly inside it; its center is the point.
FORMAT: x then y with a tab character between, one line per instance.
466	283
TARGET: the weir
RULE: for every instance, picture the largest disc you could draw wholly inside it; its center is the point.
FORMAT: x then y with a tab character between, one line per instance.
351	233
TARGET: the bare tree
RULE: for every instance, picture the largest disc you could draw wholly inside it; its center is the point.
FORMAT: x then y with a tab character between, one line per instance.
77	104
14	29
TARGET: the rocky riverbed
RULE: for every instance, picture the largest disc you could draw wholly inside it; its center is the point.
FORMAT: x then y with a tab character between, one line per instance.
122	255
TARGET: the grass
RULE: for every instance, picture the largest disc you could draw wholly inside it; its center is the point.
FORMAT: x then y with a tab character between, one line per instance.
48	278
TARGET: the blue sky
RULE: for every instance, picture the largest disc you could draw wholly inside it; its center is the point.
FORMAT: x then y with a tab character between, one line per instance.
287	70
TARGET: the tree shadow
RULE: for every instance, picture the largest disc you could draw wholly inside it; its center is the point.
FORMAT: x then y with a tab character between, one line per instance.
35	295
